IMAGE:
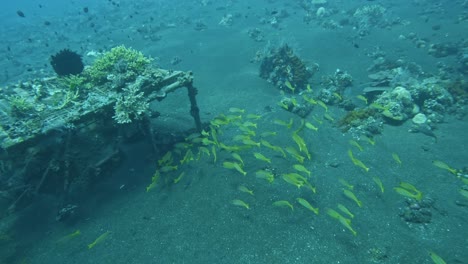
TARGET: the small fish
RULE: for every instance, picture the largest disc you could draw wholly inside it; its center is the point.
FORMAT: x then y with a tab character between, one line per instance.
283	105
408	190
353	197
242	188
237	157
289	85
205	133
309	100
396	158
317	119
323	105
274	148
283	203
370	140
301	168
310	126
176	180
240	203
166	159
307	205
294	179
20	13
464	193
356	161
154	181
234	165
262	174
203	150
168	168
378	106
345	210
295	154
69	237
268	134
250	142
206	142
260	156
282	123
444	166
249	124
301	144
338	96
187	157
343	220
435	258
253	116
236	110
213	150
362	98
214	134
247	131
329	117
233	148
99	240
308	88
346	184
379	183
354	143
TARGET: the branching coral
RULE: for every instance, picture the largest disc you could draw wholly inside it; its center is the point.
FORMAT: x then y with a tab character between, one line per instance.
119	60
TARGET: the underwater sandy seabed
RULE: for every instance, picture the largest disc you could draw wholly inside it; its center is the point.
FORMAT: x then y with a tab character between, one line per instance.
194	221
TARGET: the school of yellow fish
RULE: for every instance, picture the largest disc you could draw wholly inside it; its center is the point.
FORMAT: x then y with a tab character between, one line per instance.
249	144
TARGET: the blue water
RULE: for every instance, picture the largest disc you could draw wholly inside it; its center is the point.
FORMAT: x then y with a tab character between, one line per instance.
194	220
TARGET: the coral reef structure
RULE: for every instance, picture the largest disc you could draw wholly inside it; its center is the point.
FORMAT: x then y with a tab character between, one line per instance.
281	66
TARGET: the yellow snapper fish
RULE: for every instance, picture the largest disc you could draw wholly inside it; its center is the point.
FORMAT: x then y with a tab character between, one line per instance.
301	168
274	148
379	183
283	203
99	240
353	197
307	205
240	203
357	162
408	190
234	165
242	188
236	110
267	175
323	105
260	156
69	237
354	143
362	98
176	180
254	116
396	158
283	123
444	166
435	258
289	85
311	127
343	220
295	154
237	157
345	210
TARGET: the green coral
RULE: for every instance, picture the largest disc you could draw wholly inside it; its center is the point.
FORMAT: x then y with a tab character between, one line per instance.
119	60
131	104
20	105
